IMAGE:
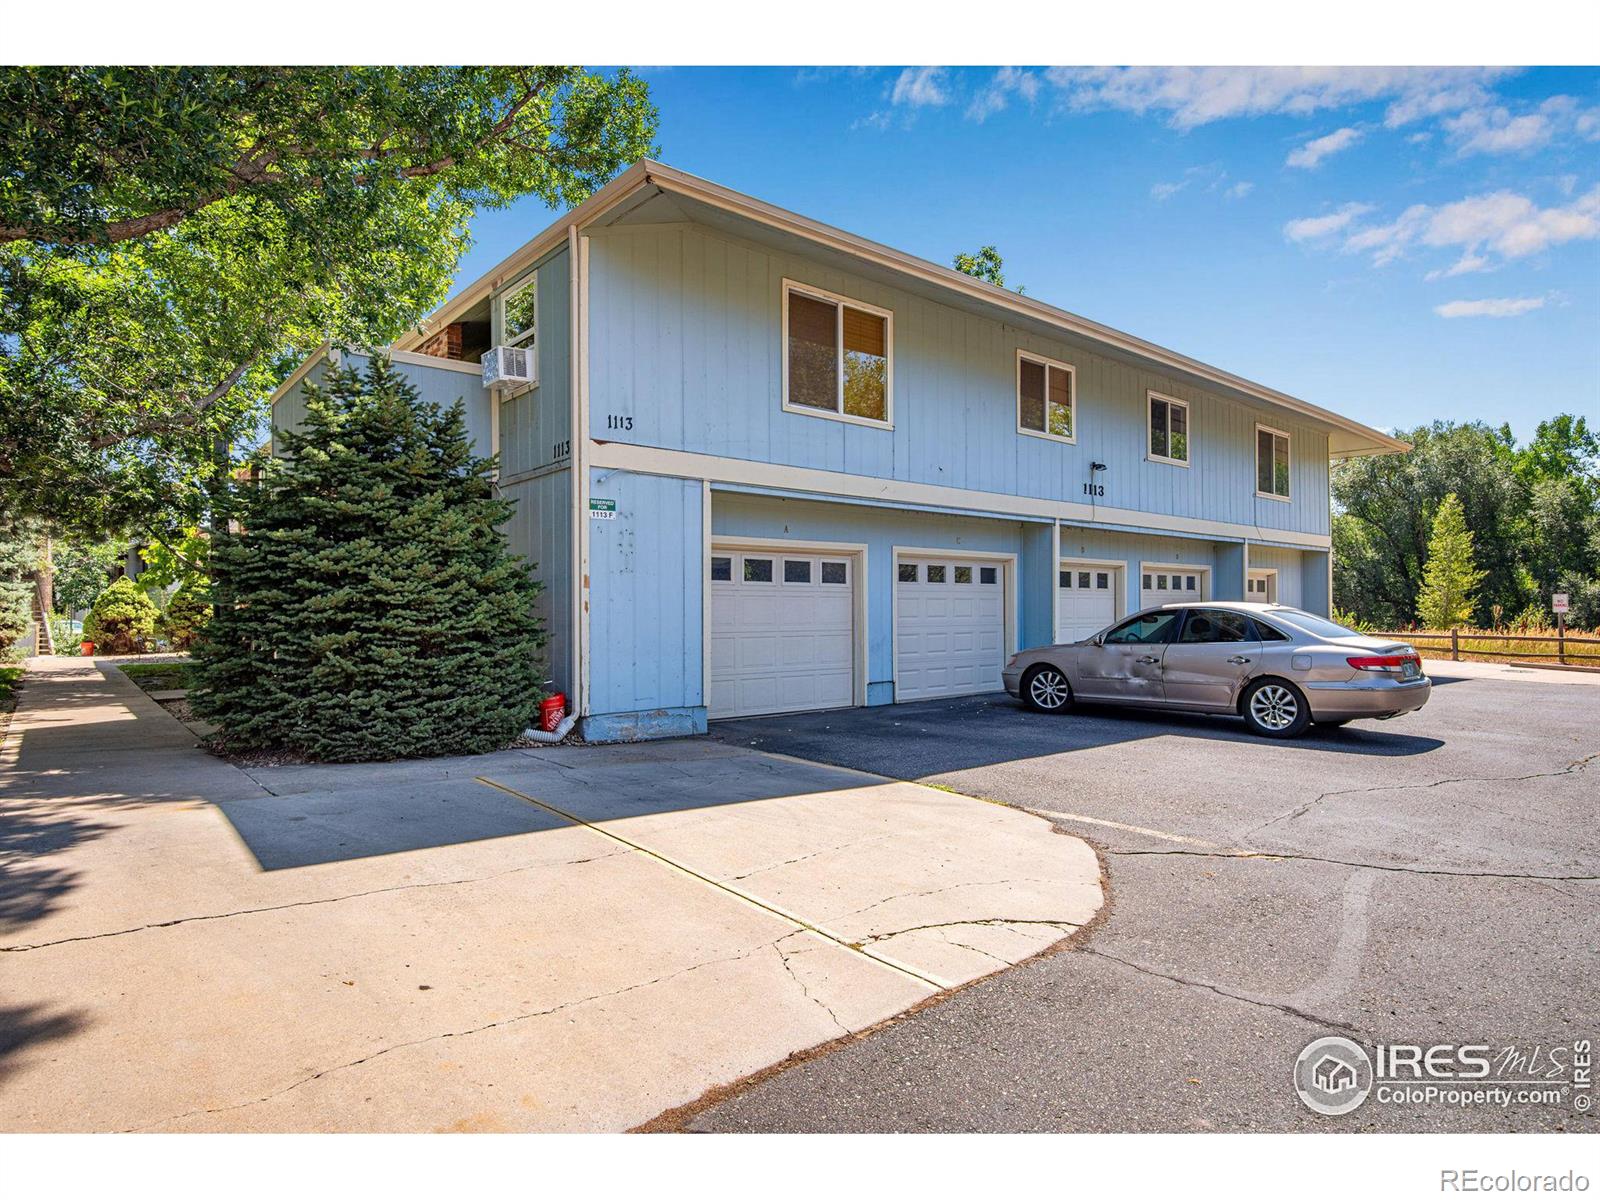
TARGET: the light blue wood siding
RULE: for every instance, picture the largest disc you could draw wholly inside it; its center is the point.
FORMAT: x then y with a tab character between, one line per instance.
645	603
1225	560
1288	564
535	425
685	339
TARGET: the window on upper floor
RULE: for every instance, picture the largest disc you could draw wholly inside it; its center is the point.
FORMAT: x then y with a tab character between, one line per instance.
1272	463
519	314
1045	397
1169	430
837	356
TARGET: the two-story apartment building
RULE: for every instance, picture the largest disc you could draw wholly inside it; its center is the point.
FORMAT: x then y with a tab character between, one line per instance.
767	465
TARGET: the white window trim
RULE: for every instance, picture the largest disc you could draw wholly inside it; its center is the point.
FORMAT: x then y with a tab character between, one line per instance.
1072	396
529	338
816	293
1271	574
1255	462
1149	433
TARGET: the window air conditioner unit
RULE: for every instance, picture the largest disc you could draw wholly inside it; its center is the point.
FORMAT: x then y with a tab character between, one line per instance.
507	365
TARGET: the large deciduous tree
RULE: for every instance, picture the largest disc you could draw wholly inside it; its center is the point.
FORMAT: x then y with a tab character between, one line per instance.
172	239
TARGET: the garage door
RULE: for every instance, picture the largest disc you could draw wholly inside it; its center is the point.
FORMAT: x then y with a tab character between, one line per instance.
782	632
1171	586
1086	601
949	627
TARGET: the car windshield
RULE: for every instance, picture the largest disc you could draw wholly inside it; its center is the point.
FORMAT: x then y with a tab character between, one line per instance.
1320	626
1143	630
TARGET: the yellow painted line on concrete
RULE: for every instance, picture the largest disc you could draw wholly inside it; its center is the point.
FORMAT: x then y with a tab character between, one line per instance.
766	906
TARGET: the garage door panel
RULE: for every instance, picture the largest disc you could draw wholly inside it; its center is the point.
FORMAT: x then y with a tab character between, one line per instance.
1085	601
782	640
949	628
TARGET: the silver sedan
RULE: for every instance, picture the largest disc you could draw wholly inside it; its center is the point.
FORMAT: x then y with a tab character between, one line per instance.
1279	668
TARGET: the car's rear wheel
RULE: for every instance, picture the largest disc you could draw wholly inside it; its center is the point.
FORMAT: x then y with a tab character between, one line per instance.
1045	689
1275	708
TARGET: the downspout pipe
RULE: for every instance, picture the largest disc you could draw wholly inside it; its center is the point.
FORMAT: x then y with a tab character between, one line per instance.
556	734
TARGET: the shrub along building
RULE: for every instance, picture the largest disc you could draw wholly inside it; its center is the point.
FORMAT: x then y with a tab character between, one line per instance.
764	465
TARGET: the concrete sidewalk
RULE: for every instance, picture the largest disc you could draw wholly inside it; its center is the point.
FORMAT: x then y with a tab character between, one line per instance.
562	939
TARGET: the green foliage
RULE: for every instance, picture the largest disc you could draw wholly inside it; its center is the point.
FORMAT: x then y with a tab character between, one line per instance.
173	239
122	619
986	265
1349	620
1450	578
1533	510
184	619
19	557
82	569
181	561
369	607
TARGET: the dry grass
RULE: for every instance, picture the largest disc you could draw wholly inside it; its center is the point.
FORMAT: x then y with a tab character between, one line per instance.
1504	645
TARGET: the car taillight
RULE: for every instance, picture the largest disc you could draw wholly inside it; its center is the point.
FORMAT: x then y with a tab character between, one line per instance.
1383	662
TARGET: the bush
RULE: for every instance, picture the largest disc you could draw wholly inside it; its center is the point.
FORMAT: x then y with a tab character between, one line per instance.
122	619
184	618
367	606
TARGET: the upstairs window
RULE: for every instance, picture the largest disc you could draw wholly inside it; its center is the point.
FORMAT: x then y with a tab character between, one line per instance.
519	312
1045	395
1272	463
1169	430
836	356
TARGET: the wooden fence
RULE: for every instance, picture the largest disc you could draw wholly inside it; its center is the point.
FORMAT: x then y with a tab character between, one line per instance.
1459	642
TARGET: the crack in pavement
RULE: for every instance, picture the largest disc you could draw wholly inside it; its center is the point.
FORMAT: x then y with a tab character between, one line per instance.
812	854
936	891
980	921
268	908
1296	813
1243	997
1344	862
449	1033
804	990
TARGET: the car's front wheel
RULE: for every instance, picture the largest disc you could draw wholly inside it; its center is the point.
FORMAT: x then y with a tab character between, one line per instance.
1045	689
1275	708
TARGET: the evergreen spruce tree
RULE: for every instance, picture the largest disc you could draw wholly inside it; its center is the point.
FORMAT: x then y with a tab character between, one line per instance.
365	604
1450	579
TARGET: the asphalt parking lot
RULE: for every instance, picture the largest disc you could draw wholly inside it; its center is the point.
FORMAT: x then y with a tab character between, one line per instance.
1430	879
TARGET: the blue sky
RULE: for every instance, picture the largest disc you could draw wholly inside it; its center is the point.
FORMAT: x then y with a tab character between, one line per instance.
1401	245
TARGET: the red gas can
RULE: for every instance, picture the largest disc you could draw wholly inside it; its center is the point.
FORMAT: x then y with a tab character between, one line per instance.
552	711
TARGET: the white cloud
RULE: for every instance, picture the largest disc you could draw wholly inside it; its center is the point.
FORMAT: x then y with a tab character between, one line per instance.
1503	223
1240	190
1310	228
1314	151
1465	265
1210	177
920	87
1007	82
1495	129
1507	307
1166	191
1192	96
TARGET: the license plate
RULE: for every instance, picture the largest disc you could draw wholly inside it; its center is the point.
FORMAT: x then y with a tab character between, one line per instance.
1410	670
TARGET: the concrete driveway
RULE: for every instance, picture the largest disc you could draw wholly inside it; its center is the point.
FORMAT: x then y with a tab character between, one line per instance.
1429	879
565	939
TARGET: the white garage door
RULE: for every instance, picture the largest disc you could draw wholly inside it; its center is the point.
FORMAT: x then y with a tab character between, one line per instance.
1171	586
782	632
949	627
1086	601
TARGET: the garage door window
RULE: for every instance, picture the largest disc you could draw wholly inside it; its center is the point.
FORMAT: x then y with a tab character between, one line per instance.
721	569
908	572
988	574
758	570
935	572
963	574
834	572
